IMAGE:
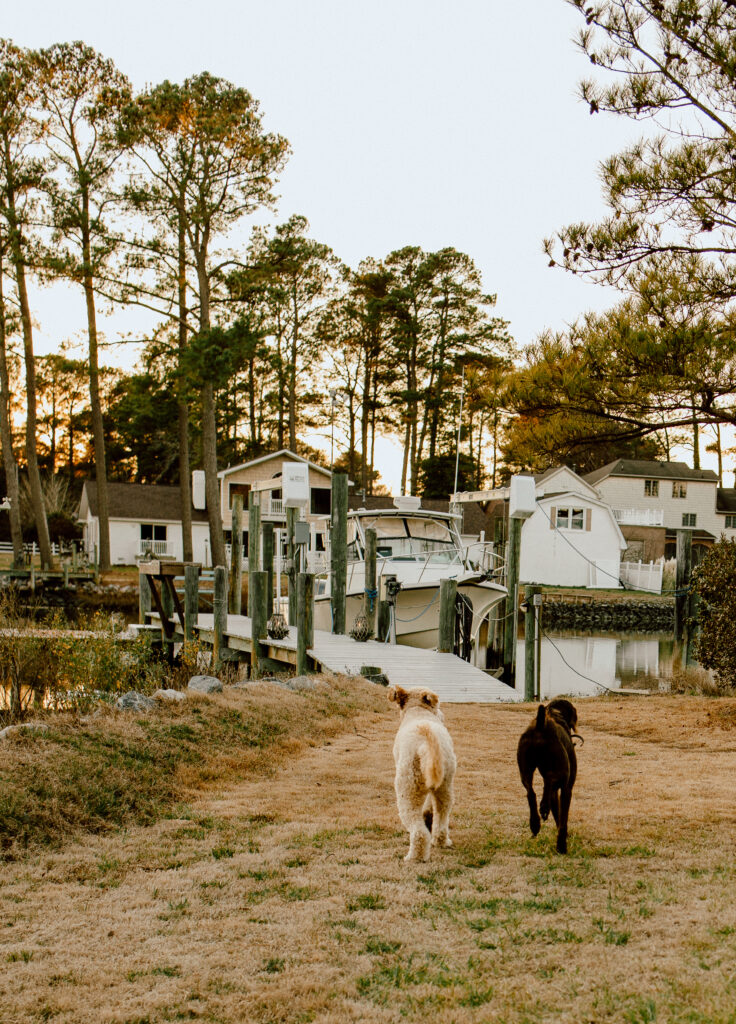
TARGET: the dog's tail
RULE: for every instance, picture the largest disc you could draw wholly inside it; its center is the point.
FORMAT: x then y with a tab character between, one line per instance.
541	715
430	756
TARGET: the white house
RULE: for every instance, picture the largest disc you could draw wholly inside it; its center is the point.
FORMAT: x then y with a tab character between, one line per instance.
146	518
572	539
646	495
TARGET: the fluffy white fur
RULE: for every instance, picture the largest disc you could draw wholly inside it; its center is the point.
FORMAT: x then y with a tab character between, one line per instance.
425	769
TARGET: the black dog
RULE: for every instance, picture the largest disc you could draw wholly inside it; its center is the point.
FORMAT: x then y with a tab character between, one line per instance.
547	746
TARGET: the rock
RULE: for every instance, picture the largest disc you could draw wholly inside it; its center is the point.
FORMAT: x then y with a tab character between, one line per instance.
134	701
298	683
13	730
170	695
205	684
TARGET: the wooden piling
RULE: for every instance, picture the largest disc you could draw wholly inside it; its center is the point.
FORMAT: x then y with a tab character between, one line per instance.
530	647
144	598
682	581
339	551
191	600
304	620
370	604
511	604
236	555
267	532
219	608
292	515
257	583
254	543
383	621
167	607
448	597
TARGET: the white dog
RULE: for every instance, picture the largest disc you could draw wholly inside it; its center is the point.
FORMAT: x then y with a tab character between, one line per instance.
425	769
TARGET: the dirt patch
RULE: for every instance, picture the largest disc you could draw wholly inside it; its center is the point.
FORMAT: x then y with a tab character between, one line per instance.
285	898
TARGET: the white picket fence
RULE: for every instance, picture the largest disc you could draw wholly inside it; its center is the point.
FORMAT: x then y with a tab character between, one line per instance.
643	575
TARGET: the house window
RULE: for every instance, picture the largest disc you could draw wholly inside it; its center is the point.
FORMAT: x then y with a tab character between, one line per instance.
688	518
320	501
651	488
149	531
679	489
731	522
570	519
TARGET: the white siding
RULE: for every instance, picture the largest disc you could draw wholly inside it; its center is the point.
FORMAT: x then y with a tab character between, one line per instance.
563	557
628	492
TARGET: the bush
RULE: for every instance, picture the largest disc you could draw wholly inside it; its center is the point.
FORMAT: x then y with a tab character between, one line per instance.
714	585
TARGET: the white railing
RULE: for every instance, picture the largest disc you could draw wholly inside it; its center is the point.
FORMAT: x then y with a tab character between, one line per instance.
643	576
639	516
157	548
273	507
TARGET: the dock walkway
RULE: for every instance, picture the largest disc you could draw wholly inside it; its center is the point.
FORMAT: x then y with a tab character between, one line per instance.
451	678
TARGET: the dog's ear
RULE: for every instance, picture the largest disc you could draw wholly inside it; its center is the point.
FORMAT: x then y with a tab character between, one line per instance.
429	699
398	695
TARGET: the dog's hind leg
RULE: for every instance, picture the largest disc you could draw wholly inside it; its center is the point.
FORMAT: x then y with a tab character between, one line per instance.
443	806
411	811
565	797
534	822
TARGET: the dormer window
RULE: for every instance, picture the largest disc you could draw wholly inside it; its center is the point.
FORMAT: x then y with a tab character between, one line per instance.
679	489
651	488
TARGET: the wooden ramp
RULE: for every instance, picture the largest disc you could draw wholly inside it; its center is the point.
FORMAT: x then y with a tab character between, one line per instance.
451	678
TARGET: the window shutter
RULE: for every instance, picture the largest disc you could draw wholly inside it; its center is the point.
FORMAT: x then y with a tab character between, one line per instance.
588	517
552	518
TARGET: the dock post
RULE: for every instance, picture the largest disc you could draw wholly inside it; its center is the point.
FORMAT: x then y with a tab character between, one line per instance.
339	550
65	571
530	647
383	622
267	531
144	598
167	607
258	620
371	590
682	581
191	600
219	608
305	620
512	603
448	596
74	556
236	555
292	515
254	543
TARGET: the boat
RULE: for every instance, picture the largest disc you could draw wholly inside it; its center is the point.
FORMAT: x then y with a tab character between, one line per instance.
415	550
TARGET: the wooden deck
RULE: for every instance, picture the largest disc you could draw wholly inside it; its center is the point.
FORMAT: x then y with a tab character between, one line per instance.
451	678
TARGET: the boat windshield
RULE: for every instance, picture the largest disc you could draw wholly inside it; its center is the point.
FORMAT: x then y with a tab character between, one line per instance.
413	539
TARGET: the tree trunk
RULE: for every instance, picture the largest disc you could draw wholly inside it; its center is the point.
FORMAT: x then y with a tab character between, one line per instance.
98	430
6	438
182	406
209	428
34	476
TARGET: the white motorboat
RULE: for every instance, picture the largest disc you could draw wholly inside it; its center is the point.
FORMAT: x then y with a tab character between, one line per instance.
417	548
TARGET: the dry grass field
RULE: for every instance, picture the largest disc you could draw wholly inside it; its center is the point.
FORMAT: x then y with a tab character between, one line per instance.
279	894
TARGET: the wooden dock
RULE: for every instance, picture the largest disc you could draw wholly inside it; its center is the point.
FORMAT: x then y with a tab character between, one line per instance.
451	678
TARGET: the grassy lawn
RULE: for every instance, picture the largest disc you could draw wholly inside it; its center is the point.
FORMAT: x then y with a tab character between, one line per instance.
277	892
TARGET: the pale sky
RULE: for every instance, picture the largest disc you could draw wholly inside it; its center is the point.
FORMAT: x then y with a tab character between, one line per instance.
411	122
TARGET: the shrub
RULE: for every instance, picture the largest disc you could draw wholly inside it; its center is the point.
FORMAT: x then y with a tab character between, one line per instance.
713	583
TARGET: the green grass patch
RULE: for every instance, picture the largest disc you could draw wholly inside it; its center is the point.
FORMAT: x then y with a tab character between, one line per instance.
119	769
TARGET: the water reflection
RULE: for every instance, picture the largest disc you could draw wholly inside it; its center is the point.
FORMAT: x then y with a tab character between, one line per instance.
576	663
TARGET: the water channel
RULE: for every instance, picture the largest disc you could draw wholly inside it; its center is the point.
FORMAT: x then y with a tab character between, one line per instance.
589	664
